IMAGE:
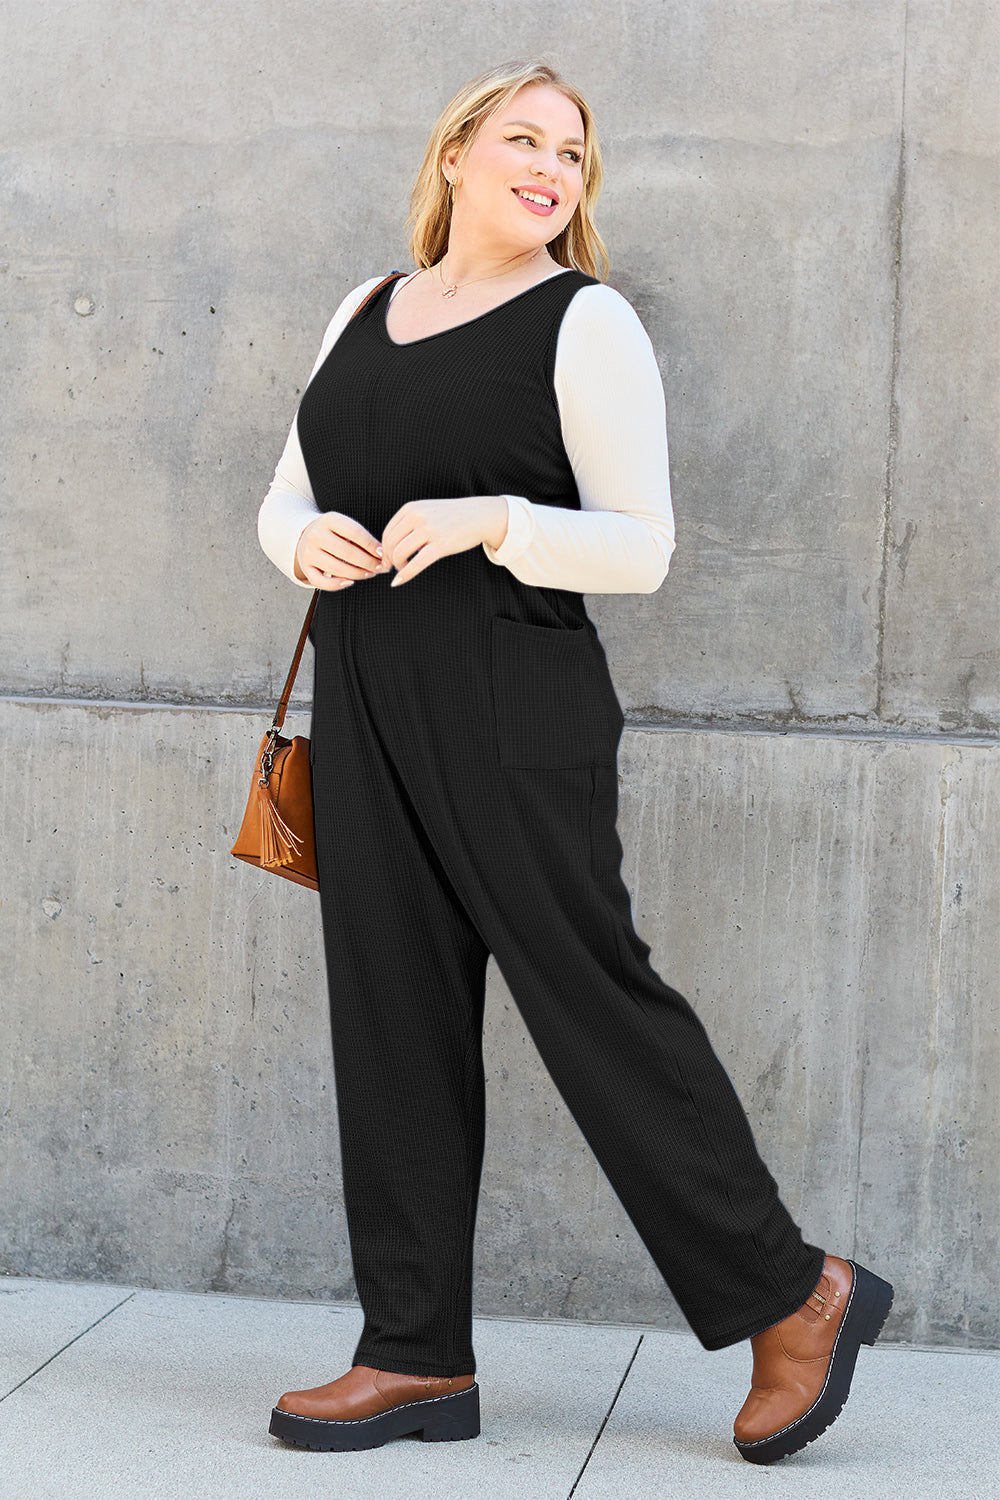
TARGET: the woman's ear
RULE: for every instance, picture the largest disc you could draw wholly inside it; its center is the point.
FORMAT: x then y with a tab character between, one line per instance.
449	164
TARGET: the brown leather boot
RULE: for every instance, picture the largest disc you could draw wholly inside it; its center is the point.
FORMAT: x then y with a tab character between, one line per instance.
802	1366
366	1407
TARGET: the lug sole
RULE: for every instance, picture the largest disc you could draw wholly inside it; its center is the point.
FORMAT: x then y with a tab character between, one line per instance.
867	1309
438	1419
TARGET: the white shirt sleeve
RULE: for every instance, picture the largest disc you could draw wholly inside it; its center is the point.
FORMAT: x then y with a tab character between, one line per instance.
613	416
612	412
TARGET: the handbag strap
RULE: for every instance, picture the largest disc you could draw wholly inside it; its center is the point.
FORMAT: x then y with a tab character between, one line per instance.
279	713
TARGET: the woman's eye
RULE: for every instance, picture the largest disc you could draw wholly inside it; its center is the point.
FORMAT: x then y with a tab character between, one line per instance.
576	157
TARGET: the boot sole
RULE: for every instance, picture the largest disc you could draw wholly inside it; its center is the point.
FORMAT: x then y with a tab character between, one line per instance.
438	1419
867	1309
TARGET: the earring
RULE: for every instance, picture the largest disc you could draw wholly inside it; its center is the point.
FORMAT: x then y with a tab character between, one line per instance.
451	192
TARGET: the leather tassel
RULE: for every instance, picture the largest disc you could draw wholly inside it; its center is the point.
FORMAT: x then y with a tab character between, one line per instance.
278	844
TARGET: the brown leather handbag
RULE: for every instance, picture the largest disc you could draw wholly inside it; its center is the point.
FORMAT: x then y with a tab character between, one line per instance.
277	829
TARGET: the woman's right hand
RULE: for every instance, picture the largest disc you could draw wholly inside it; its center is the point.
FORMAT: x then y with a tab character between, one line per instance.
335	551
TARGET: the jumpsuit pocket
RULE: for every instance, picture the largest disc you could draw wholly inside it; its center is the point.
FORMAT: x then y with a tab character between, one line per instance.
553	699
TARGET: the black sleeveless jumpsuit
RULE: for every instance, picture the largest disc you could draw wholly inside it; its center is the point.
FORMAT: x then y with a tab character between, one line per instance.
465	737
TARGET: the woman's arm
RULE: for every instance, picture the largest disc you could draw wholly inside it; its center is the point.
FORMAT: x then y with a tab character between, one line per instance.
289	506
614	428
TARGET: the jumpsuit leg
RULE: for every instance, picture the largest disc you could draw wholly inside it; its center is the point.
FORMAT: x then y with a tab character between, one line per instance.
407	974
636	1068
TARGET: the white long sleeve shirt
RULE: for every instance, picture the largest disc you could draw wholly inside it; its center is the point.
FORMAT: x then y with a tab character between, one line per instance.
612	413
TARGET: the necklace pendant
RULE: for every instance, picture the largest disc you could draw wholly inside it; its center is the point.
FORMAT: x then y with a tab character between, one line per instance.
450	291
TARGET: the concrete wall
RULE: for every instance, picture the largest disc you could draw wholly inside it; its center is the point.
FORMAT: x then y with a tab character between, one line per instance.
801	204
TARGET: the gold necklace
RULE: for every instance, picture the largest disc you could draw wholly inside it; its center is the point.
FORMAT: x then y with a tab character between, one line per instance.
449	291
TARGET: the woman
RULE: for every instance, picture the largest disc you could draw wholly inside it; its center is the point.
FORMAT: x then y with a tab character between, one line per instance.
491	430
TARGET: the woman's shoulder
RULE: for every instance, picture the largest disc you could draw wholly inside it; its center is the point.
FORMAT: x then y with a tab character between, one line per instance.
600	314
601	303
350	304
344	313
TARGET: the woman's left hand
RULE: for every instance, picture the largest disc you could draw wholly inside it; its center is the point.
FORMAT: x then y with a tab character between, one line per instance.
423	530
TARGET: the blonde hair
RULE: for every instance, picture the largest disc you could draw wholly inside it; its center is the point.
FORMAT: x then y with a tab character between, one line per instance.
578	246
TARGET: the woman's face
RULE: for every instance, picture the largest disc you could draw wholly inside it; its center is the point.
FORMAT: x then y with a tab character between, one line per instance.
521	180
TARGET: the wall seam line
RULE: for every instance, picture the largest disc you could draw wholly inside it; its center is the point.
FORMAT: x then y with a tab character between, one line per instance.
872	733
892	424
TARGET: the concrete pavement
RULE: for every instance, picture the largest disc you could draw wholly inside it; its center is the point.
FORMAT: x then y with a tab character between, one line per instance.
112	1391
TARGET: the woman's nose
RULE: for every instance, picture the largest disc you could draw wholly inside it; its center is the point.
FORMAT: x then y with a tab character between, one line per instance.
546	164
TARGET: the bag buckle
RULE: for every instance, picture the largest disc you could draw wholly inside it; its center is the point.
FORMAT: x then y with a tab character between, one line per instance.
267	756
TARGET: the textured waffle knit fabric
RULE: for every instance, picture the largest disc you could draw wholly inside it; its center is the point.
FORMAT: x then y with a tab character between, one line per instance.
613	418
465	738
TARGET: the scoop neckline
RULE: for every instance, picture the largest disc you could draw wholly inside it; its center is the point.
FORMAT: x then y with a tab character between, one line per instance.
383	325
